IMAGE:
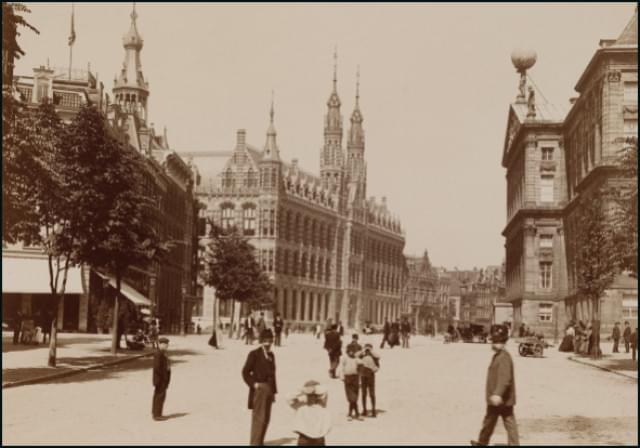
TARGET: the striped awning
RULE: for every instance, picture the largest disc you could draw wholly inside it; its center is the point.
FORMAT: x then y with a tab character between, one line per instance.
127	290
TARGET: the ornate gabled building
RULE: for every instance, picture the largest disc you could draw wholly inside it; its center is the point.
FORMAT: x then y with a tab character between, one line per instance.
553	160
166	290
331	252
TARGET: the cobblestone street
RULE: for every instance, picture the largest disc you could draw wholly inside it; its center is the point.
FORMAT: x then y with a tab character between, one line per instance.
430	394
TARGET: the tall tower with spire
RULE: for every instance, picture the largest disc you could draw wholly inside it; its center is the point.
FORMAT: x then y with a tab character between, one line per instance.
130	89
356	165
331	158
270	165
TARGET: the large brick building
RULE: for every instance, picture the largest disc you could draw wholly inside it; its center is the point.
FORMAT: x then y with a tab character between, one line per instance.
166	290
552	159
331	252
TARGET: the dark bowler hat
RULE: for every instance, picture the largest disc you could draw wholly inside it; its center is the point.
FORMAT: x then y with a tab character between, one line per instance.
266	334
163	341
499	334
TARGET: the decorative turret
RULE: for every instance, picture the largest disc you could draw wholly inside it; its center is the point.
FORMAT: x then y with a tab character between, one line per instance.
356	166
130	89
271	151
331	158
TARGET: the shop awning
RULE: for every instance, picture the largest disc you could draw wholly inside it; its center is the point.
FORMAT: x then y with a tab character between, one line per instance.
31	276
127	290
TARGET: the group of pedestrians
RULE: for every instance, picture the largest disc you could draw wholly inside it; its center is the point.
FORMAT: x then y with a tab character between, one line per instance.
396	332
630	339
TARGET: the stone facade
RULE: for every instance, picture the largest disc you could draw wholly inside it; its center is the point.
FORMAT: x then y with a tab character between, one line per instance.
330	252
552	160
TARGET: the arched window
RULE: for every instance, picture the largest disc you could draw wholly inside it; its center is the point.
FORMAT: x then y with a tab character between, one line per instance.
296	264
249	220
303	266
327	271
285	262
320	269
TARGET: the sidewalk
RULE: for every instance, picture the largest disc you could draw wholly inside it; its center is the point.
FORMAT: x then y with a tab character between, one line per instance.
618	363
76	352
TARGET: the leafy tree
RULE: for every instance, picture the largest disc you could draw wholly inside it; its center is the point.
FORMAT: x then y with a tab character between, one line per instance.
625	214
231	268
119	232
12	20
596	260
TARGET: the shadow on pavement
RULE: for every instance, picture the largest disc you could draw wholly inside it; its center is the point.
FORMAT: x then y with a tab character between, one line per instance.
8	346
280	441
628	365
176	415
579	428
97	374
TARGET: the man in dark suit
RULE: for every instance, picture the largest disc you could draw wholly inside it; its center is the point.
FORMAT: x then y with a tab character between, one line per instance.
333	345
161	378
259	372
249	324
385	333
500	391
278	324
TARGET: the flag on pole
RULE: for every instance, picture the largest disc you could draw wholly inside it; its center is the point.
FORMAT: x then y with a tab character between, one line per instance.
72	36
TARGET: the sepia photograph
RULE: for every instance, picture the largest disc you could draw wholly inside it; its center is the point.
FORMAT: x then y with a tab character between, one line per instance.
348	224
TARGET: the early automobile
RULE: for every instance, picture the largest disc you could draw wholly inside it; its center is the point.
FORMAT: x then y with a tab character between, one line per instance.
474	333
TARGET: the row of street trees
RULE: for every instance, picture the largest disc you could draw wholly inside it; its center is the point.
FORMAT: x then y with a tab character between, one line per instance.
77	191
607	234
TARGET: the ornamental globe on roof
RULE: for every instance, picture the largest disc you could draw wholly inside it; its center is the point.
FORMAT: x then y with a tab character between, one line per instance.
523	59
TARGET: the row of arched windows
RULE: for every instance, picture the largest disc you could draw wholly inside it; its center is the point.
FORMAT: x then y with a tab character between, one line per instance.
311	232
303	265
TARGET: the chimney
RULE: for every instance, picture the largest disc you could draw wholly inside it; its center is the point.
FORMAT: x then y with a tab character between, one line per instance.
241	137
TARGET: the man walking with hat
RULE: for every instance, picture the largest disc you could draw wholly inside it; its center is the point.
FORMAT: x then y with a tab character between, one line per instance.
500	390
259	372
161	378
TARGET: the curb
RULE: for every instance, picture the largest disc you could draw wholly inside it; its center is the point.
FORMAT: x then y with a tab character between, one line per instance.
72	371
606	369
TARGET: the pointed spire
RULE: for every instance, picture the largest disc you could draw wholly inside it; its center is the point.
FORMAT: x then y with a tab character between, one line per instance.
629	35
358	88
335	69
271	151
132	38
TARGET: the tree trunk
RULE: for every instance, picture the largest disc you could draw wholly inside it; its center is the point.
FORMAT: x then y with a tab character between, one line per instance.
115	336
231	319
53	337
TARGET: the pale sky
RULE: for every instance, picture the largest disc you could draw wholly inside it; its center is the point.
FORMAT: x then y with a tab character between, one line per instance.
436	83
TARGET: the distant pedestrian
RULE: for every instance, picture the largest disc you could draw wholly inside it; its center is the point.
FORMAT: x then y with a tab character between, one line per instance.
153	334
521	330
386	330
634	343
405	330
318	331
626	335
370	365
500	391
312	421
161	378
17	326
262	324
198	328
394	335
259	373
286	331
249	325
615	335
333	346
349	373
340	329
278	323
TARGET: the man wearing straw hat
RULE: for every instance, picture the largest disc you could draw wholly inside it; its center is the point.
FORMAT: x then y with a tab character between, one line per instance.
312	421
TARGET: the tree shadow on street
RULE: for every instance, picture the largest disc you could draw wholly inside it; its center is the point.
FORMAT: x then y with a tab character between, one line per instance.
97	374
628	365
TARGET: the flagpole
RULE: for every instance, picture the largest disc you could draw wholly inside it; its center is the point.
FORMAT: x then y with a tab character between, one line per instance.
72	39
